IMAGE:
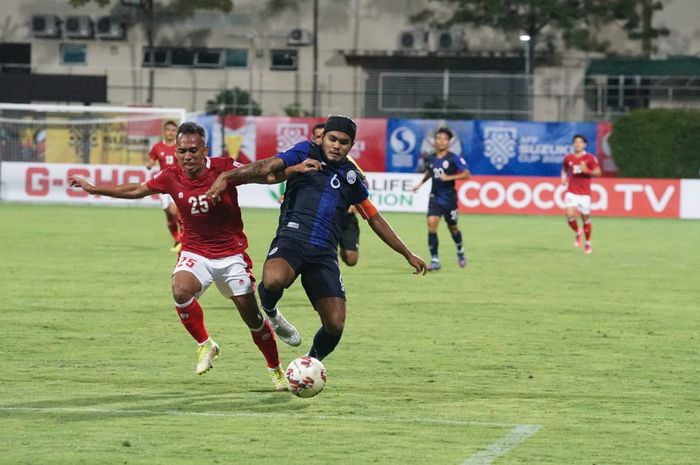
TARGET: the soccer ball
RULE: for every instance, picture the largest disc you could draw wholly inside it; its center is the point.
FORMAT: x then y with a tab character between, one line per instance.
306	376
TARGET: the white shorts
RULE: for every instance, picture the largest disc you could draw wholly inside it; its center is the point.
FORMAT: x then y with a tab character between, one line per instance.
581	202
232	274
165	201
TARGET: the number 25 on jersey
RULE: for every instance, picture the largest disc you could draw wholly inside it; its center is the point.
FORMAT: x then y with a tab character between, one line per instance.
199	204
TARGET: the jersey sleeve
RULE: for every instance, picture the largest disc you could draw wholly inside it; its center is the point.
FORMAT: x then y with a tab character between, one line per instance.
159	182
593	162
296	154
153	154
359	193
461	163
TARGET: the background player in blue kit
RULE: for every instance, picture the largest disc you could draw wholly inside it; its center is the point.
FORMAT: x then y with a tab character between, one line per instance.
310	227
446	168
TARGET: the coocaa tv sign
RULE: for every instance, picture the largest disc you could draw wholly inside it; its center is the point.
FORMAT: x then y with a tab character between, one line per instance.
538	195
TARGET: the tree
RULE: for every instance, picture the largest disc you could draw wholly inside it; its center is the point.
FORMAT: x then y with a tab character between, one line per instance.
233	102
150	13
571	20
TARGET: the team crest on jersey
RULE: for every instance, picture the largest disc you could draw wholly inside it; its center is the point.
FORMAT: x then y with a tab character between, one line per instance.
351	177
445	164
180	195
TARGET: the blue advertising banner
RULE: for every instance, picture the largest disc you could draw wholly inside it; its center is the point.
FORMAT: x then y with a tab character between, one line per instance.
409	141
490	147
524	148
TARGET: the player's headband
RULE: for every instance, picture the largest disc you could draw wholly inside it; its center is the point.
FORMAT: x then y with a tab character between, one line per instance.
342	124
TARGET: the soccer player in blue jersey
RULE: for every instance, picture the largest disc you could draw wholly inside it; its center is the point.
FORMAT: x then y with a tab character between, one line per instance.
446	168
310	227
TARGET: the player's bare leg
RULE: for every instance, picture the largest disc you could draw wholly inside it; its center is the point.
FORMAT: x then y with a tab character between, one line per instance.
457	238
349	257
263	336
331	310
433	222
573	224
587	228
173	225
185	288
277	276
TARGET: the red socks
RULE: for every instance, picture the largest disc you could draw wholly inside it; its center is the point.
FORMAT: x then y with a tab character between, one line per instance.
573	224
264	338
587	229
192	319
172	227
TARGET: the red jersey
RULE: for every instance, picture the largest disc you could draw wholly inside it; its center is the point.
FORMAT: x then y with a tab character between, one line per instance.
579	182
164	153
212	231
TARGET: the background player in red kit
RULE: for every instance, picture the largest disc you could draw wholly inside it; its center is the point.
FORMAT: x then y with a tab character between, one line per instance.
213	244
576	172
163	153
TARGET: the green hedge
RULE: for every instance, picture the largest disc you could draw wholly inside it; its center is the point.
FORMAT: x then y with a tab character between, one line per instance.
657	144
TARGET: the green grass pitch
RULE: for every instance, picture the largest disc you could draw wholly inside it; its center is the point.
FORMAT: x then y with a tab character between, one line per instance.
594	357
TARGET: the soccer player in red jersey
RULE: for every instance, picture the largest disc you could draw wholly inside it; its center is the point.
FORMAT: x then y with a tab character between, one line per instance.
213	243
163	153
576	172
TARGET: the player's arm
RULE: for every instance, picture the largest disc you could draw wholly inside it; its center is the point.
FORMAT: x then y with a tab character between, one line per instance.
564	177
465	174
426	176
130	190
384	230
593	171
306	166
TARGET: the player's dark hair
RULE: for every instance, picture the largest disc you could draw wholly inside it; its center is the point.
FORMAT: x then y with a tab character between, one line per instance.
318	126
169	123
579	136
445	131
190	127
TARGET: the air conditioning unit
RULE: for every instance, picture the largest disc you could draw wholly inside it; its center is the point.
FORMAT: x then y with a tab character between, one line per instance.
78	27
297	37
449	41
46	26
416	39
110	28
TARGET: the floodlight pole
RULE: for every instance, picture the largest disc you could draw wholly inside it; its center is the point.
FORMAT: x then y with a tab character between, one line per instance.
148	5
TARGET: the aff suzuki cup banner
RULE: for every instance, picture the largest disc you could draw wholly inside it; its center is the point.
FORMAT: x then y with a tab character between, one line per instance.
490	147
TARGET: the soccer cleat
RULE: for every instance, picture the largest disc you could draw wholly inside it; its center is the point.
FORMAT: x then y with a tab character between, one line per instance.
587	248
434	265
279	380
206	354
284	330
577	242
176	247
461	260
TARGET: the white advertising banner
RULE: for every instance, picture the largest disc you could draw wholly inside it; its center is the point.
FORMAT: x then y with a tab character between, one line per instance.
690	199
48	183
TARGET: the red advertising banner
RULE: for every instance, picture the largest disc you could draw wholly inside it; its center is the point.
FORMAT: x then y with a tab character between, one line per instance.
276	134
603	150
653	198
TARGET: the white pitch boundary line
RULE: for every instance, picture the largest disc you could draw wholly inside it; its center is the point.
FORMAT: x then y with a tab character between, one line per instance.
517	435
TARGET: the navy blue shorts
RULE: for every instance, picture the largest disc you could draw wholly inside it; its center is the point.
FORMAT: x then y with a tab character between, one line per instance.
350	237
449	212
319	270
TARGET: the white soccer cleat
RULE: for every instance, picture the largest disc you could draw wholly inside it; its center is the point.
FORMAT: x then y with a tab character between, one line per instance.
284	330
206	354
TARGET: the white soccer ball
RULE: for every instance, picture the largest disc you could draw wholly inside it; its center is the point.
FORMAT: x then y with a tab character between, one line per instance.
306	376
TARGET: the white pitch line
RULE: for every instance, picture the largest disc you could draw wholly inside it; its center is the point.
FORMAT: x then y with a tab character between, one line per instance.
516	436
359	418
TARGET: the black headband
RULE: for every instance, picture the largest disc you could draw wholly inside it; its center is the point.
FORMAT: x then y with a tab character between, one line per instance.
342	124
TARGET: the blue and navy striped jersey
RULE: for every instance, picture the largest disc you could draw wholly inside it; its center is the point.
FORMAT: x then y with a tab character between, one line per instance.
315	203
444	191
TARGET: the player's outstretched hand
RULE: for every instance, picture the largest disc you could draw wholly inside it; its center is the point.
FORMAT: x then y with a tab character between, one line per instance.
415	188
81	182
418	264
308	166
444	177
217	188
